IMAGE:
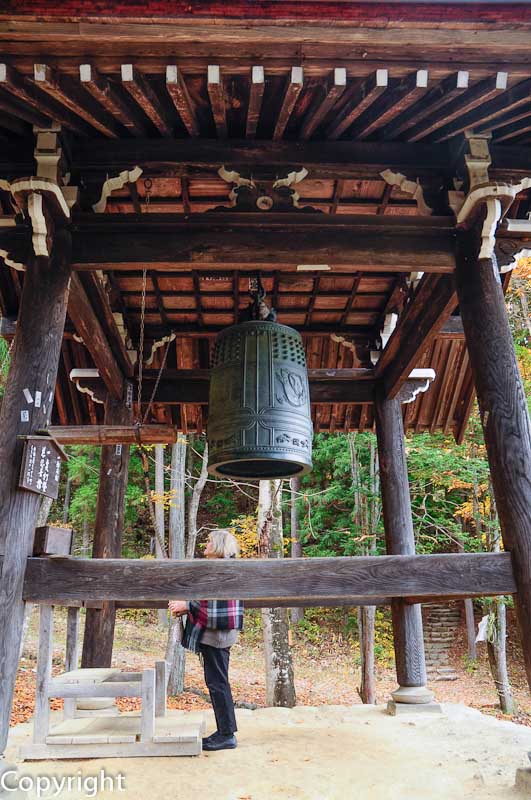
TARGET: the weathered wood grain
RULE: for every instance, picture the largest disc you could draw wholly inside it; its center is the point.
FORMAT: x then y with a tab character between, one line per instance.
451	575
418	325
178	91
503	411
168	241
41	721
33	366
108	530
399	536
113	434
87	325
49	82
323	159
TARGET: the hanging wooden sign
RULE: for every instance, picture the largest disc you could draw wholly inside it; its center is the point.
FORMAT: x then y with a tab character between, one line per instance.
41	466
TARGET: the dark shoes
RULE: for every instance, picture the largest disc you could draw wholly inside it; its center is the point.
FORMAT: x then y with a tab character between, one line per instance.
220	741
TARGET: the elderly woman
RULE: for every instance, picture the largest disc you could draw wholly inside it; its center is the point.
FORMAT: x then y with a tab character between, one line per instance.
211	629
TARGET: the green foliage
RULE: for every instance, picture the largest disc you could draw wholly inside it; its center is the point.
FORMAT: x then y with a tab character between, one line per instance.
222	506
328	524
4	365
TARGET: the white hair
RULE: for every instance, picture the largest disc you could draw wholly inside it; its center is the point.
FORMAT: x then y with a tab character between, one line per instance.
224	543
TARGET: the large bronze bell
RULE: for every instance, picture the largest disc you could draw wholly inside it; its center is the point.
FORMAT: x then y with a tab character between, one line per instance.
259	423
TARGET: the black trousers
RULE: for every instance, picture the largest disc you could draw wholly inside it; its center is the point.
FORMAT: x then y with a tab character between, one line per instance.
216	666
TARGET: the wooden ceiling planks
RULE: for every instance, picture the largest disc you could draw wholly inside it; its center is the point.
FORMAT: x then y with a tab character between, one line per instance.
167	90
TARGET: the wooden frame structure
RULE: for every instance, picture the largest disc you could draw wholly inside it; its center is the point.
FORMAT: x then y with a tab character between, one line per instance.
374	166
99	736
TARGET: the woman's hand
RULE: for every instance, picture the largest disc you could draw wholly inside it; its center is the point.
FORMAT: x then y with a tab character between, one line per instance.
178	607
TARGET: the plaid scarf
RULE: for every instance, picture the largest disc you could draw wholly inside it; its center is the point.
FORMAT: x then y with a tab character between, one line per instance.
219	614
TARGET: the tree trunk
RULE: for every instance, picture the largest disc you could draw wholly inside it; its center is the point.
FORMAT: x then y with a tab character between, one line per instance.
194	506
98	635
496	648
175	654
33	368
66	506
85	546
280	686
366	624
297	614
366	513
469	618
497	653
159	517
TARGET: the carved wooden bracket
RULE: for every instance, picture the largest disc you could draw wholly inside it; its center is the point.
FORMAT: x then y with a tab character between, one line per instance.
510	251
484	195
42	198
418	382
112	184
407	186
248	194
77	376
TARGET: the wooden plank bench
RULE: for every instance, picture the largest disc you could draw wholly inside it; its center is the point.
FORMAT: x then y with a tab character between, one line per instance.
101	735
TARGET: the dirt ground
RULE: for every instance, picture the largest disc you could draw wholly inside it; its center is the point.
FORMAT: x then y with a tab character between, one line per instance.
329	746
326	667
326	753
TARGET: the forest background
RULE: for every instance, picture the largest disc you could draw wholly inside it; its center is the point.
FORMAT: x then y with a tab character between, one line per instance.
337	506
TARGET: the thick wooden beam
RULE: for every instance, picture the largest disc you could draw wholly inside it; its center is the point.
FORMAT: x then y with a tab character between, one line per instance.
340	386
345	159
32	372
216	94
503	411
98	294
399	537
518	97
46	80
114	434
363	96
446	91
108	531
146	98
102	90
292	90
417	327
14	83
178	91
391	104
477	95
327	96
287	241
62	580
306	602
256	93
89	328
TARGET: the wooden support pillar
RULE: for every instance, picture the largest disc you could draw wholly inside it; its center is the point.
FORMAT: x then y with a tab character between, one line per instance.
33	369
398	523
108	529
503	411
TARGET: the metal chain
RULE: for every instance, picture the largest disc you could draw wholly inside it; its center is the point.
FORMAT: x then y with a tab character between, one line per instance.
141	344
157	381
